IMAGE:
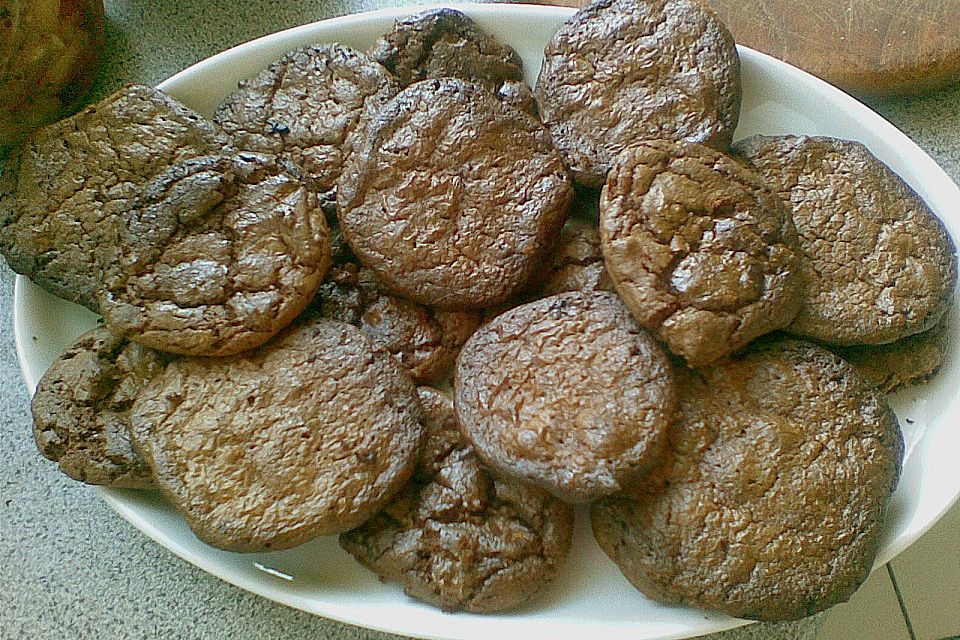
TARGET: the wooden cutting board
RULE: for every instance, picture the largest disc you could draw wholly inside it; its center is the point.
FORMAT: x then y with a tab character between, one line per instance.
866	47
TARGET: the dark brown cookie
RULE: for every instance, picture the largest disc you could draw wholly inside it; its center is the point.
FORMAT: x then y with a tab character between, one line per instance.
574	263
518	95
878	264
426	341
443	435
566	392
459	537
219	254
445	43
81	409
910	360
454	197
311	434
770	502
701	251
621	71
309	107
62	192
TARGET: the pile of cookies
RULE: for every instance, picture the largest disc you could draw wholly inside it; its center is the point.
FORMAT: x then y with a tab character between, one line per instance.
276	282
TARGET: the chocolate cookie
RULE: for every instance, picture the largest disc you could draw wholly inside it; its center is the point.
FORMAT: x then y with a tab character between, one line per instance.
459	537
621	71
218	255
309	107
454	197
426	341
308	435
701	251
62	192
566	392
878	264
445	43
81	409
771	499
574	263
910	360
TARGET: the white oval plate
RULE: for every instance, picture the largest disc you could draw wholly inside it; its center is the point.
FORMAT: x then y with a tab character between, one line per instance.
591	598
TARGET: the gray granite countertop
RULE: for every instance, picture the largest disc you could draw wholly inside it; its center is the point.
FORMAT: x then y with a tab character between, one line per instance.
72	568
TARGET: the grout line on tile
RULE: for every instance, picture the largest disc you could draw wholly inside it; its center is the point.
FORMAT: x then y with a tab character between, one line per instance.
903	607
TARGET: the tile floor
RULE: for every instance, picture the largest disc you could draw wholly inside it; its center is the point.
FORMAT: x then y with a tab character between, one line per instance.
928	578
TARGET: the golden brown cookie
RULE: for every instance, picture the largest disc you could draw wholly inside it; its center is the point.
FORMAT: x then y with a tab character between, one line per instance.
621	71
64	194
446	43
308	435
460	537
567	393
310	107
81	409
878	264
700	250
454	197
50	52
771	498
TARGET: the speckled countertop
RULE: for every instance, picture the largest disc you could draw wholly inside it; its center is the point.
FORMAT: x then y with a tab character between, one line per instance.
70	568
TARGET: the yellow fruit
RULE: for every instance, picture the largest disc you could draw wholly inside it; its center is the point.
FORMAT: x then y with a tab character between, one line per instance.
49	53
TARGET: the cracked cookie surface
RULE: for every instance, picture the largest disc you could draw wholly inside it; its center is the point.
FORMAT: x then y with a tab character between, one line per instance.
573	263
63	193
619	71
440	43
218	255
310	107
769	503
81	409
139	209
426	341
309	435
911	360
459	537
454	197
701	251
878	264
567	393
